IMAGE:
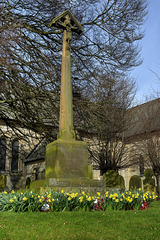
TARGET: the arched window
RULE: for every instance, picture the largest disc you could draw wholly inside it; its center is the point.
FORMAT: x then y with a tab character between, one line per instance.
15	155
2	154
141	166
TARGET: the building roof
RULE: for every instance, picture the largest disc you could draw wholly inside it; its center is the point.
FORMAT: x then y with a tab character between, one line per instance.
144	118
38	153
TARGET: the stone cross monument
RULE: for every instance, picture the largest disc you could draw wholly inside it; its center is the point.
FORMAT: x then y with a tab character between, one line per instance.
66	157
66	162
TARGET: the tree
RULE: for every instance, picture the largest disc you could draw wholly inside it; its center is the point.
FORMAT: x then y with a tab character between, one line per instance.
112	97
31	61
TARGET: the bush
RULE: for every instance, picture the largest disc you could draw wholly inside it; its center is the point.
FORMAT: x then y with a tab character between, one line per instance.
113	179
28	181
148	187
149	182
148	173
135	182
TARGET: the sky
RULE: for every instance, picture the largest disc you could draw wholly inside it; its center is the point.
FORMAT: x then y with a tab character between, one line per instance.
145	74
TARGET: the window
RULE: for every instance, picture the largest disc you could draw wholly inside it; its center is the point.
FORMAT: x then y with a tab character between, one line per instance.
2	154
15	155
141	166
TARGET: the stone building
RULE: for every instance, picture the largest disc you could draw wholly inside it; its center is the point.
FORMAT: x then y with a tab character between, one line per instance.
144	127
22	158
15	144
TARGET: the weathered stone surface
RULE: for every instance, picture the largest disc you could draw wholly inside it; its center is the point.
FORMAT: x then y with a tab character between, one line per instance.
66	159
70	185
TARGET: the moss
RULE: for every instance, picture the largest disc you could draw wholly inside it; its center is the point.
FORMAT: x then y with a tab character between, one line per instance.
90	171
39	183
3	180
66	158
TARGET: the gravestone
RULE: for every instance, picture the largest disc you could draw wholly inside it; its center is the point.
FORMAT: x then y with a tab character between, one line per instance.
66	162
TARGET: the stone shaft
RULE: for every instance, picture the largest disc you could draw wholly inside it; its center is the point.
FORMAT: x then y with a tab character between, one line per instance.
66	129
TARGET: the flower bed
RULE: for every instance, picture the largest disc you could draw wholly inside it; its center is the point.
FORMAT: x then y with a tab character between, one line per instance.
61	201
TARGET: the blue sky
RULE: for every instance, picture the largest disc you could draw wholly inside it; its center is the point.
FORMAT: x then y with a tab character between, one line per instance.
146	80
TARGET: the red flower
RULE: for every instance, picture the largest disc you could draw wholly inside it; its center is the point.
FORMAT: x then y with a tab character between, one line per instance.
97	204
144	205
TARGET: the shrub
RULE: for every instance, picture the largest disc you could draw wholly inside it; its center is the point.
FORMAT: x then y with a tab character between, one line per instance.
148	173
149	182
135	182
28	181
113	179
148	187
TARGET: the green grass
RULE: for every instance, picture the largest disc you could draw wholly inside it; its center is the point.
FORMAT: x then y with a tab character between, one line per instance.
125	225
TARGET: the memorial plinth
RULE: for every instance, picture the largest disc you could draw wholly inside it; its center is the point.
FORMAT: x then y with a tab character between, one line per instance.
66	159
66	163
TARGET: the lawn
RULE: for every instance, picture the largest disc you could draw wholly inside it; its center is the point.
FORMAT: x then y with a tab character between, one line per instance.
96	225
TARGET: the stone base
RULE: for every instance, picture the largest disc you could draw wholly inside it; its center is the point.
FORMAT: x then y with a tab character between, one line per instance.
71	184
66	167
66	159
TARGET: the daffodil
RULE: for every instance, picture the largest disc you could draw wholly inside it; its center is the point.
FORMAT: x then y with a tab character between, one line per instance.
11	200
80	199
25	199
89	199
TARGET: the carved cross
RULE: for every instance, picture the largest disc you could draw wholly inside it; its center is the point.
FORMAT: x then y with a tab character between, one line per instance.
69	24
